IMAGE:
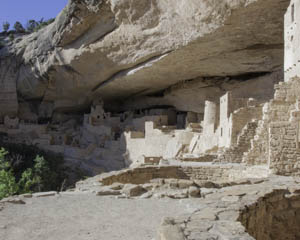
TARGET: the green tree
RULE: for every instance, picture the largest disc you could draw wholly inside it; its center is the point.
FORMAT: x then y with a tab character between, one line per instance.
27	181
8	185
4	165
5	26
19	27
32	179
41	24
28	169
41	172
31	25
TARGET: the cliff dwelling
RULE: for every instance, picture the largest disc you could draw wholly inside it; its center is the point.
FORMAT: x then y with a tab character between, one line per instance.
184	108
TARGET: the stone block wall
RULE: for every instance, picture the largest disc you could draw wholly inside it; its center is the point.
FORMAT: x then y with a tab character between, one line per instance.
258	153
142	175
276	143
292	41
284	148
139	123
205	173
241	117
235	154
212	173
135	147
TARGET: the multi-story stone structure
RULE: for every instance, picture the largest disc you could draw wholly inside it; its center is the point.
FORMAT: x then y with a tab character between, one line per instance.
224	121
292	41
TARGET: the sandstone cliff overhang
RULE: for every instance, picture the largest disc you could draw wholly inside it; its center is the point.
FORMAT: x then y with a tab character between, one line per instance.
123	49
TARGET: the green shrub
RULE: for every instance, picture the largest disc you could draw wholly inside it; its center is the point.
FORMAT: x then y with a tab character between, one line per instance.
26	169
41	24
5	26
31	25
8	185
19	27
34	26
27	181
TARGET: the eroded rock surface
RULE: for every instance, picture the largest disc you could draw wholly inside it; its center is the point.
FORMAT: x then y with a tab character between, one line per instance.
269	210
145	69
259	209
125	49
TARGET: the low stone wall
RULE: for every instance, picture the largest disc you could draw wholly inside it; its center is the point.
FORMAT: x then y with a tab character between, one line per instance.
212	173
209	173
142	175
273	217
201	158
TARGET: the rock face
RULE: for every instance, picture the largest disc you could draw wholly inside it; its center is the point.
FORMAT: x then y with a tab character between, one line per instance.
241	212
123	50
8	93
148	70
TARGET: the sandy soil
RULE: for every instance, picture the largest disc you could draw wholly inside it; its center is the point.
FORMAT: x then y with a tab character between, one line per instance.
88	217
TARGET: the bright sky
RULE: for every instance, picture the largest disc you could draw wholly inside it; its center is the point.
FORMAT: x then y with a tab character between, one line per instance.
24	10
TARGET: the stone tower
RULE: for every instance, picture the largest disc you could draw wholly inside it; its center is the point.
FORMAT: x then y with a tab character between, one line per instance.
292	41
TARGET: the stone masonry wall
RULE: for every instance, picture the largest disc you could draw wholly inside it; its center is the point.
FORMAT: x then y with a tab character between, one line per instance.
278	132
141	175
235	154
284	150
241	117
259	150
213	173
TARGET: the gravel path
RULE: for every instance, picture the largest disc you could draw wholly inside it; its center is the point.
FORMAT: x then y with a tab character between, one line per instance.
88	217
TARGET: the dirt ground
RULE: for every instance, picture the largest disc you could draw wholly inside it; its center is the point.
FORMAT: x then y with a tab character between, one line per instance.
88	217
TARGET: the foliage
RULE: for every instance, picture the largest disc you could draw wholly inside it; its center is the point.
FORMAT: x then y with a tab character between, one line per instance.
27	181
3	164
19	27
34	26
25	169
31	25
11	37
41	24
5	26
8	184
